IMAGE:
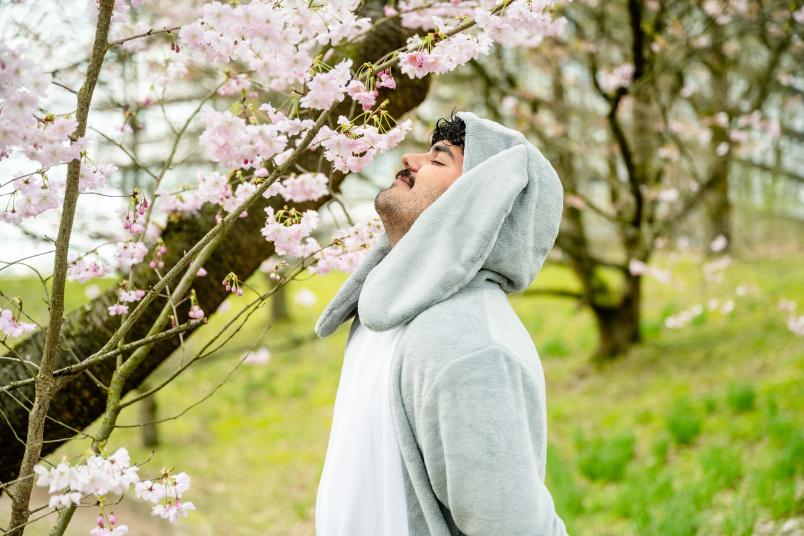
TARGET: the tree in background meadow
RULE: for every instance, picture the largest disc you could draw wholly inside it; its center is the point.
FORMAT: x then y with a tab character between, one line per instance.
645	109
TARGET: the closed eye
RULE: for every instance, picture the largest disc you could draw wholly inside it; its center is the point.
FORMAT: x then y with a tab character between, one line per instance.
436	162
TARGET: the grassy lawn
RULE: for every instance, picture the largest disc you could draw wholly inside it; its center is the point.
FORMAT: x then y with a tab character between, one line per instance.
700	430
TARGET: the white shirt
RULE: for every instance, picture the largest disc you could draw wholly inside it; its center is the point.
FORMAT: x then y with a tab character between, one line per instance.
361	492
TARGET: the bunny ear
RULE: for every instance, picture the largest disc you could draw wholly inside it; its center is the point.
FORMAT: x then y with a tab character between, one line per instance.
447	244
343	304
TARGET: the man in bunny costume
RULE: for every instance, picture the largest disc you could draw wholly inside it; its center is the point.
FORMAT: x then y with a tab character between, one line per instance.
440	422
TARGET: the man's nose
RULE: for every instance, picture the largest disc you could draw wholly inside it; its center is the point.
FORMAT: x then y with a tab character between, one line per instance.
410	161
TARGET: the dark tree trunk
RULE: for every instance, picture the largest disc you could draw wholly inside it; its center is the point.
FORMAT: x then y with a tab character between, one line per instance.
149	433
716	199
279	305
84	331
618	325
718	204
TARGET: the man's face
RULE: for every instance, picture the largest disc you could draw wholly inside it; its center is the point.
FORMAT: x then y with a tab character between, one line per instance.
423	179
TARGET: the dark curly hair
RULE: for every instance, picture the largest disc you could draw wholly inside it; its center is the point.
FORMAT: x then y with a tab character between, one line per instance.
452	130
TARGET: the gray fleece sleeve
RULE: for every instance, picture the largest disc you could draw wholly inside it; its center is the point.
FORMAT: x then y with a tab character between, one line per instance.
481	428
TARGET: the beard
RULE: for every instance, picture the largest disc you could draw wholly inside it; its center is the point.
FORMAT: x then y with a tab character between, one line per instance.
399	208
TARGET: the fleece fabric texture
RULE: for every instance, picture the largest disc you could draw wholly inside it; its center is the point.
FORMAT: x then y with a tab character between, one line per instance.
467	386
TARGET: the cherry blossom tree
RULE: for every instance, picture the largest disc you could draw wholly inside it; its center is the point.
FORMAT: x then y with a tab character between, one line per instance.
320	93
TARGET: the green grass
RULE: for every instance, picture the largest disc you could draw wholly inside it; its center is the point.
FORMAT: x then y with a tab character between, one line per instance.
697	431
684	421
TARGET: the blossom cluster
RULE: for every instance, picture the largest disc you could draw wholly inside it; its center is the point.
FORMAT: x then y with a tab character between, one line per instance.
124	297
236	84
232	284
291	30
423	59
349	248
45	140
22	83
215	188
101	476
133	222
32	196
520	24
304	187
35	193
130	253
229	141
195	313
166	495
352	147
83	269
327	88
290	231
94	176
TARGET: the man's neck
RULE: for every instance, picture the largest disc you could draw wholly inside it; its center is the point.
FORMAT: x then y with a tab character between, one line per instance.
393	238
394	233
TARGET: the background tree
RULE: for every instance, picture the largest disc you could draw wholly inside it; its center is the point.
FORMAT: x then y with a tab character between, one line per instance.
628	107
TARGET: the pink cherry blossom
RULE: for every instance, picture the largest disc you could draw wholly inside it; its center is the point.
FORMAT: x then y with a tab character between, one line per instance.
150	491
384	79
349	249
228	140
235	84
94	177
64	500
718	244
613	79
242	192
11	326
259	357
357	90
328	87
172	511
445	56
130	253
291	238
82	270
118	309
354	147
305	187
129	296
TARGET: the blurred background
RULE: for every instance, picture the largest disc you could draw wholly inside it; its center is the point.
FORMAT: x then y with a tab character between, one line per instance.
669	318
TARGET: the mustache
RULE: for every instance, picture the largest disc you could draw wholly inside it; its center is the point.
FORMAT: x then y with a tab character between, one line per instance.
406	176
